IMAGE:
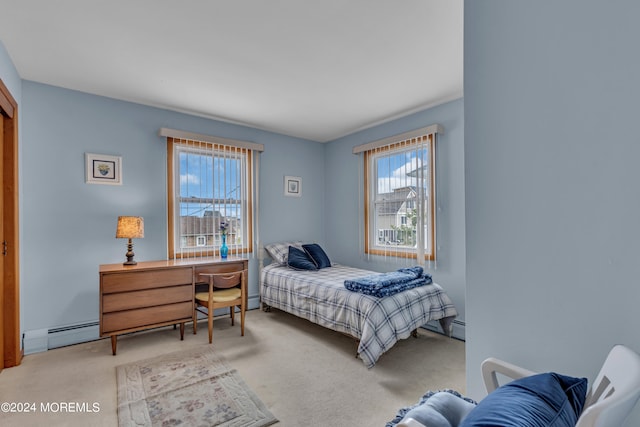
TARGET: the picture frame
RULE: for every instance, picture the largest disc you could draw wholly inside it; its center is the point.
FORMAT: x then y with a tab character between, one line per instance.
293	186
103	169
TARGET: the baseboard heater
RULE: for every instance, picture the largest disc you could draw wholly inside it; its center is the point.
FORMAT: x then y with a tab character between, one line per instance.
36	341
39	340
457	328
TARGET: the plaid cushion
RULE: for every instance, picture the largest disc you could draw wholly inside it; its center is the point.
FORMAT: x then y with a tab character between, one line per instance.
279	251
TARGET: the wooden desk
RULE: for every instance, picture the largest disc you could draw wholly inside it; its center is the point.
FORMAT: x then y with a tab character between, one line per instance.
153	293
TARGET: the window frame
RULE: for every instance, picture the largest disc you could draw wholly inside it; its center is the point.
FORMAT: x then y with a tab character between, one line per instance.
174	199
370	192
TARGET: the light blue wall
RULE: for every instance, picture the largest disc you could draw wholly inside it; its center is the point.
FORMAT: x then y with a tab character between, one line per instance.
343	194
69	226
552	199
285	218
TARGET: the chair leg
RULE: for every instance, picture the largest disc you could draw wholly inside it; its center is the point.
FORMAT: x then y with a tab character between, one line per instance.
210	320
242	311
232	312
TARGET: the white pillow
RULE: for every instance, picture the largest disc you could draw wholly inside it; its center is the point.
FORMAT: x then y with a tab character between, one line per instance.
279	251
443	409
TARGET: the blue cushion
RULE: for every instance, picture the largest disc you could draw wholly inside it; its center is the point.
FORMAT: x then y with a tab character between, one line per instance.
317	254
543	400
299	260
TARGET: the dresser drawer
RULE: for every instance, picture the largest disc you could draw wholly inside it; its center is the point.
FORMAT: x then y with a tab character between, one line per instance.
146	298
138	280
149	316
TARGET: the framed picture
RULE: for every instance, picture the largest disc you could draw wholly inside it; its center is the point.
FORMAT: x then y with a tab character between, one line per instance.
103	169
293	186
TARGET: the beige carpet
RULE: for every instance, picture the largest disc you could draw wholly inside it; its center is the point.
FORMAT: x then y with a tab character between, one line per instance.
194	387
305	375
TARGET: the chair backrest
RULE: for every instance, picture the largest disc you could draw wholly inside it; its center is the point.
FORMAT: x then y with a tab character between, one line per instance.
615	390
225	281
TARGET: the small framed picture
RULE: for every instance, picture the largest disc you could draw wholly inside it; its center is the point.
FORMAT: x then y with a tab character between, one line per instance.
293	186
103	169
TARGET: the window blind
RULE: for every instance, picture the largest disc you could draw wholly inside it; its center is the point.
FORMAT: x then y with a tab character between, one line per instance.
398	203
211	183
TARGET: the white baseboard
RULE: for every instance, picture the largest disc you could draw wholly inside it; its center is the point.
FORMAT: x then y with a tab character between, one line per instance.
60	337
253	302
37	341
40	340
458	328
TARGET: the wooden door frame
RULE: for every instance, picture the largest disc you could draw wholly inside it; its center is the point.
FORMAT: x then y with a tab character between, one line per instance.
10	287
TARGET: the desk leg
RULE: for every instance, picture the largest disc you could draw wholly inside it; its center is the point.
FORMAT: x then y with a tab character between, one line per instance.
195	322
114	343
182	331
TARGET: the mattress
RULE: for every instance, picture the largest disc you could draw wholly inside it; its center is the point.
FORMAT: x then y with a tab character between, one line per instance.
320	297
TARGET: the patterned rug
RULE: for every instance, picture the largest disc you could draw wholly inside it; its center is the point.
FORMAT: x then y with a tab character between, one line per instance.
195	387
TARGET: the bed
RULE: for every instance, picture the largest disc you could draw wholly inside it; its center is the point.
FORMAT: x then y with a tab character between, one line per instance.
319	295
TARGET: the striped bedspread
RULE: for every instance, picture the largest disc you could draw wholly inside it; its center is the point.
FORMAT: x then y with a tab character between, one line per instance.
320	296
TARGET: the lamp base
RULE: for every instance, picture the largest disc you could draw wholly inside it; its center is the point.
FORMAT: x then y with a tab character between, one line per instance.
129	254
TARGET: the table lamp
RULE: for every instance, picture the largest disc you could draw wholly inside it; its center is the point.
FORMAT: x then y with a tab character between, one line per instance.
130	227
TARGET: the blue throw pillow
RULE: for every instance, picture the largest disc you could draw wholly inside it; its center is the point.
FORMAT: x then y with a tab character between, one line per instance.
318	255
543	400
298	260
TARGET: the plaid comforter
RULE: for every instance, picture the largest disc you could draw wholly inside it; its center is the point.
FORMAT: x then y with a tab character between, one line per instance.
320	296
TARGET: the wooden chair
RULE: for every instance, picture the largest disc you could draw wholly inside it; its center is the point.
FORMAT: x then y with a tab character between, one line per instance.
225	290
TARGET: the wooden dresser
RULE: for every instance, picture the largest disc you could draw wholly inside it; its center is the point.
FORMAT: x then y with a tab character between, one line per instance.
153	293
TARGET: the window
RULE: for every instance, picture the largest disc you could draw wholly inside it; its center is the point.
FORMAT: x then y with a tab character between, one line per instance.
208	183
400	195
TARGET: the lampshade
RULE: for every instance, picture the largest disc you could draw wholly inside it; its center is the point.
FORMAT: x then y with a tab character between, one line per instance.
131	227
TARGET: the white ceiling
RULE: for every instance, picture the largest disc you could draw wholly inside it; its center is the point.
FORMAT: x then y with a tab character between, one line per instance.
311	69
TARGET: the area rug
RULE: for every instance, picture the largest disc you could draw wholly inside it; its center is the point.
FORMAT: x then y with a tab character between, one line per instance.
195	387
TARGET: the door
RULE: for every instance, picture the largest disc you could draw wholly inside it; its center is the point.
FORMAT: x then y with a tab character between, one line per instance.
2	244
10	351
